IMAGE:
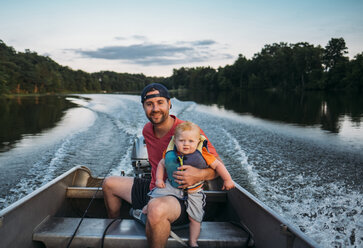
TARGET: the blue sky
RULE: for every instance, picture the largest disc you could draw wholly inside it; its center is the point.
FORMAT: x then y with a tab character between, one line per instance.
155	36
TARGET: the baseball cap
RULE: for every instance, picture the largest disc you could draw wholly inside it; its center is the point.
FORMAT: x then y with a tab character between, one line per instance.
163	91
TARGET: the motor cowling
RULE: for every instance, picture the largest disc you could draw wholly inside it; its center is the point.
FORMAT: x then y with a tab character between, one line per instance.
139	158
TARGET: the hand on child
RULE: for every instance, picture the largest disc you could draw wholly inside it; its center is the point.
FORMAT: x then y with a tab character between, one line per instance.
187	175
160	184
227	185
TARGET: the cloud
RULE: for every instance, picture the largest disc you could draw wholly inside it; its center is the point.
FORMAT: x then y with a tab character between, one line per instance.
136	37
158	54
203	42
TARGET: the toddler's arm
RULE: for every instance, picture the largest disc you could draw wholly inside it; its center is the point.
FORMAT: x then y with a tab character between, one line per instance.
223	172
160	174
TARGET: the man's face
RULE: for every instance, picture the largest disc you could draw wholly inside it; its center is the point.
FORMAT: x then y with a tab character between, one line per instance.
156	108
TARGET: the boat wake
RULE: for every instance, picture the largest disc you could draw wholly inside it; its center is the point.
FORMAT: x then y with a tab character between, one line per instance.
309	177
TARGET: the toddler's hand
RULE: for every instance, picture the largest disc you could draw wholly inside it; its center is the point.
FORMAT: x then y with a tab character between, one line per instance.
160	184
227	185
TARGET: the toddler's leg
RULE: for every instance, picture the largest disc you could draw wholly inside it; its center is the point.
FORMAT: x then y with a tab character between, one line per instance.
194	231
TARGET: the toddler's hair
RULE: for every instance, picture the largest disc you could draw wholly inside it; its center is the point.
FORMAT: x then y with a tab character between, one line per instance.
186	126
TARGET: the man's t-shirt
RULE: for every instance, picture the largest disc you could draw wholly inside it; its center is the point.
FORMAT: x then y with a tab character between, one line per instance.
155	146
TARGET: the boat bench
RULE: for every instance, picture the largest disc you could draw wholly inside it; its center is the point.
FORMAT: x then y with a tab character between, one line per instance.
89	192
57	231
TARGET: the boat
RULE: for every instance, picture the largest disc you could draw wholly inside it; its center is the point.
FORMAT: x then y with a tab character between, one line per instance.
69	211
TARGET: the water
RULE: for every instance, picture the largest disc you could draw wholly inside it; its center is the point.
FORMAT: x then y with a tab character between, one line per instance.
309	175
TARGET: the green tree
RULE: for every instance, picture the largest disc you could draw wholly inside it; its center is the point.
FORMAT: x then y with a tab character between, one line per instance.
307	65
334	53
354	77
180	78
202	78
335	64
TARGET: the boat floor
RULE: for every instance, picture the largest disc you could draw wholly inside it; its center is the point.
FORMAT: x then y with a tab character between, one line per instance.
57	231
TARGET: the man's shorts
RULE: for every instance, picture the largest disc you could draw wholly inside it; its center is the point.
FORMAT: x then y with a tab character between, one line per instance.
139	198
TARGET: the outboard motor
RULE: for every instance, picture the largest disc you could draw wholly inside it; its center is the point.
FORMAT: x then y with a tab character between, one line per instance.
139	159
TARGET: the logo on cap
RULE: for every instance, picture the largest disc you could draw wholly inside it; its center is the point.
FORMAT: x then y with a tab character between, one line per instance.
163	91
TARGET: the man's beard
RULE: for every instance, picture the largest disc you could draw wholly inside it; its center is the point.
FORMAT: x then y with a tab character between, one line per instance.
163	118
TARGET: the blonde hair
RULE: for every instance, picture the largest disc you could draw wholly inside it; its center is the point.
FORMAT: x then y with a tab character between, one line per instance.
186	126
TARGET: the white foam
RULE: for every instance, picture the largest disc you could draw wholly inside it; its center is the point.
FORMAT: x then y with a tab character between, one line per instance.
241	156
328	213
124	165
109	103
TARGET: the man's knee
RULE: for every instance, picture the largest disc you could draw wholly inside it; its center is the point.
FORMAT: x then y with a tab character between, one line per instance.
161	209
118	186
108	183
114	184
155	211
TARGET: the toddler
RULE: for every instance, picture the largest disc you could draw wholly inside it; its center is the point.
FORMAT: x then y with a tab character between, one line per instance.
188	147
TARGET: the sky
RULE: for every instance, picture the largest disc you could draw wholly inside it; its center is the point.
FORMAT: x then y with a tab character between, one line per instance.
154	37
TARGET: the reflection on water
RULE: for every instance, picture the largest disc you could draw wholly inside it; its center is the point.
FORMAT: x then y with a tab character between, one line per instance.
336	112
326	110
20	116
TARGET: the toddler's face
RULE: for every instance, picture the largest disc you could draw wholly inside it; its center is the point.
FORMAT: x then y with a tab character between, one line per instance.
187	141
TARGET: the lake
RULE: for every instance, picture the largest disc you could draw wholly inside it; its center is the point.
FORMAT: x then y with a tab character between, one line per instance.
298	153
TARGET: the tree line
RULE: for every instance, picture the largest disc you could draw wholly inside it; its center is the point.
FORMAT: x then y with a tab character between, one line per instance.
28	72
299	66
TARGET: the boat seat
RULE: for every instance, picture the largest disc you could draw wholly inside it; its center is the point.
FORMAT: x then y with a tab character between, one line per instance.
57	231
89	192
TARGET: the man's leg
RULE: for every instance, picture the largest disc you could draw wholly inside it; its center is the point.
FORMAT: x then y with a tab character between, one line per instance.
116	188
161	212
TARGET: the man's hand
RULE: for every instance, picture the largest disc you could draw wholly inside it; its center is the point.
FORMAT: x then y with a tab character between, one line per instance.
187	175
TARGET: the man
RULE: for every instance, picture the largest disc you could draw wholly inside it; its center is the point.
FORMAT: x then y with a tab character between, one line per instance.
163	211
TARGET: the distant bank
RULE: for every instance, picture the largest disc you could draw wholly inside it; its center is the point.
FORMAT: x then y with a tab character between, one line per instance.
282	66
